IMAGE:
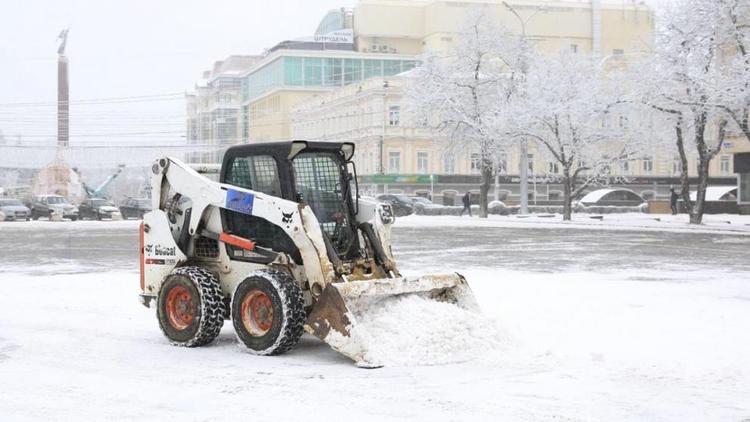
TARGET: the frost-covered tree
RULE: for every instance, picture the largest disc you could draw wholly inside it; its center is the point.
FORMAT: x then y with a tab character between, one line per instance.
578	118
684	83
730	20
459	93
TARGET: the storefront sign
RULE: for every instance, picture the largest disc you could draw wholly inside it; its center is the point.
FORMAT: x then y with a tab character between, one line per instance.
342	36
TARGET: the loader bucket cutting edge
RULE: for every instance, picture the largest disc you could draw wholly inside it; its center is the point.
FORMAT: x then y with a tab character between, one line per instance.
333	318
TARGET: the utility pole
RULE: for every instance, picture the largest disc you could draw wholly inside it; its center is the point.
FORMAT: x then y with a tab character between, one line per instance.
524	161
381	146
523	171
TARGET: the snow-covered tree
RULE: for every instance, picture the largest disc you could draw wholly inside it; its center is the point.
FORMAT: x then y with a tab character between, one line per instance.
682	83
730	20
460	93
579	119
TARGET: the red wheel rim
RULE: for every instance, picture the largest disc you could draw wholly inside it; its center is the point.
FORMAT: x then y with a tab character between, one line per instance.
257	313
180	308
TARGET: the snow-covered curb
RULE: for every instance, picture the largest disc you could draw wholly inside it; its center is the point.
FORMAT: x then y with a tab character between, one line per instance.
719	224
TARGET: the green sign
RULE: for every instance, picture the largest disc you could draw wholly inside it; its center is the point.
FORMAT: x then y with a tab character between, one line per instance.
420	179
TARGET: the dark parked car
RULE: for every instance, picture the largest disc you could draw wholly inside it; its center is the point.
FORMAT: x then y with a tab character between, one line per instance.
135	207
97	208
46	205
402	205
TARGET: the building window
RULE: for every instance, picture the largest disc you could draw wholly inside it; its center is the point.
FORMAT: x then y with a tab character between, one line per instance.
648	165
553	168
423	162
625	167
502	163
676	167
530	159
618	51
394	115
724	164
744	188
476	163
574	48
394	162
449	164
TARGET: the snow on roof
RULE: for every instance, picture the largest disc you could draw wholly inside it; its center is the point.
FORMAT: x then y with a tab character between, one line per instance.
595	196
714	193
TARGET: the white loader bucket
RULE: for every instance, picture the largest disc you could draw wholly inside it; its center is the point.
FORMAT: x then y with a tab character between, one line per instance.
333	316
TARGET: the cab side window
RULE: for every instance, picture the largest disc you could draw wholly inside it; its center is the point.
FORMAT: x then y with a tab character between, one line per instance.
258	173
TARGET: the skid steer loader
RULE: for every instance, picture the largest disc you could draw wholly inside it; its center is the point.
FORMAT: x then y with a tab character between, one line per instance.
281	244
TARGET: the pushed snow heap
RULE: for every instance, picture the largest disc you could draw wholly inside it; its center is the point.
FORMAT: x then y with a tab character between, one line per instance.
410	330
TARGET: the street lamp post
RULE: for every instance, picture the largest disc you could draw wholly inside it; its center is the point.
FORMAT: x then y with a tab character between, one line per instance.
524	173
524	161
381	166
381	147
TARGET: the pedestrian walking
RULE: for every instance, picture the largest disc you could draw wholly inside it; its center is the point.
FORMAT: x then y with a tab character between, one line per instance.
467	204
673	200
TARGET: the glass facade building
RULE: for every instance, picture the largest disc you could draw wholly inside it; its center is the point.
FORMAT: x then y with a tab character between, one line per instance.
318	72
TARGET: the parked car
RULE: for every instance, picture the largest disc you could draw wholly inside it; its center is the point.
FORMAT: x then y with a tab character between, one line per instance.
424	202
402	205
135	207
12	209
45	205
97	208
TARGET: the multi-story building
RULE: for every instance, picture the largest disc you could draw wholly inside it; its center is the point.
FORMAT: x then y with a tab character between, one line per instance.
341	83
295	70
397	154
213	108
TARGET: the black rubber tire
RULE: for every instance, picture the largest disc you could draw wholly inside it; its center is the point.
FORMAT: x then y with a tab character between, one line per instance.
208	307
34	215
287	302
73	218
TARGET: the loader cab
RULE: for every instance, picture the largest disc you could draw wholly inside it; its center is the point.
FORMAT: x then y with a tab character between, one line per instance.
319	174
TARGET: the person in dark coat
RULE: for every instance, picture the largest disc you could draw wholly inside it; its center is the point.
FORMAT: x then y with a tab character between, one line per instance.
467	204
673	200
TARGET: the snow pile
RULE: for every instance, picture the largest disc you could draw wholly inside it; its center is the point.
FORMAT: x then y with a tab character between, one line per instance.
411	330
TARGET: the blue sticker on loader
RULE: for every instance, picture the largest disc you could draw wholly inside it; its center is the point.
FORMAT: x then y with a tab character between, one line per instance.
240	201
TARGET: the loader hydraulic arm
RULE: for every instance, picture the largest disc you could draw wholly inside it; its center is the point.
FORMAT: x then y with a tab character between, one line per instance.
171	176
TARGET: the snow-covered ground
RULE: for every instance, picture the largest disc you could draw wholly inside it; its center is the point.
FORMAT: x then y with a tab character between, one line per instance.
574	342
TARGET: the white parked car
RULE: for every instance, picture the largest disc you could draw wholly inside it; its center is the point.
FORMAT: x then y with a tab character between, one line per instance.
13	210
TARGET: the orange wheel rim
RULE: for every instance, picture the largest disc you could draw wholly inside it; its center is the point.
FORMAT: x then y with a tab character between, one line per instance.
257	313
180	308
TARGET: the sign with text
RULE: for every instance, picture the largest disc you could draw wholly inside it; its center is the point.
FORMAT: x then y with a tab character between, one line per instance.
342	36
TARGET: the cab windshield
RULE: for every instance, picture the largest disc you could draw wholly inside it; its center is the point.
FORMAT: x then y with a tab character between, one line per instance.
318	180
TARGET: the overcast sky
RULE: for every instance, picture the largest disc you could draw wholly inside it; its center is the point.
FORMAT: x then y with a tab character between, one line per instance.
130	48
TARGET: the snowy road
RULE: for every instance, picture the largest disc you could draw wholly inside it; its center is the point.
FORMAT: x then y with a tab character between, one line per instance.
598	325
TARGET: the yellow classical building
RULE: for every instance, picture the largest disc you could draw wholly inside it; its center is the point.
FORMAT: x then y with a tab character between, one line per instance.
344	82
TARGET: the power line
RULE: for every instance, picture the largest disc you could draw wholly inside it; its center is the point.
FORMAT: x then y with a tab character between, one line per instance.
104	100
